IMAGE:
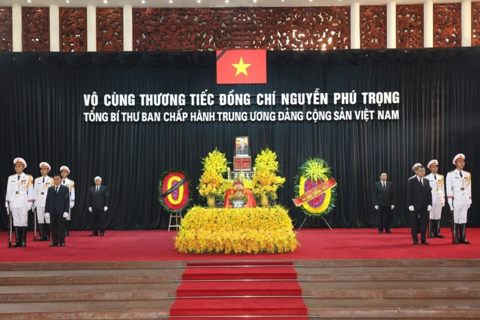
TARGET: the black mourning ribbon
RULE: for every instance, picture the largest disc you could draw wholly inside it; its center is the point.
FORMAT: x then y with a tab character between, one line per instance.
175	187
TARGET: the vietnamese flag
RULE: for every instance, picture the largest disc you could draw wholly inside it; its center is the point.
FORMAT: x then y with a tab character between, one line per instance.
241	66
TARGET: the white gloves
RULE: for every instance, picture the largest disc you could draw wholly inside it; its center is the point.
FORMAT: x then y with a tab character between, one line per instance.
33	206
450	203
90	209
443	204
391	207
376	207
72	205
6	204
411	208
105	208
65	214
429	208
47	215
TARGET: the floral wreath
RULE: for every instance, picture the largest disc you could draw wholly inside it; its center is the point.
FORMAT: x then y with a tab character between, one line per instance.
312	173
174	191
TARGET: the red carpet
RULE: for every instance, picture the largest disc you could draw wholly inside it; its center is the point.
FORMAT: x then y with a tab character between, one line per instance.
315	244
220	296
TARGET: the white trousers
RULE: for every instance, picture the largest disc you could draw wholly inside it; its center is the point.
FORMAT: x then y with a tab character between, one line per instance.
20	216
40	214
436	212
460	213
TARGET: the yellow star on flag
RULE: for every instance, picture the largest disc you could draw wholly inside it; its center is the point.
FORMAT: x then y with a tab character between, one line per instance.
241	67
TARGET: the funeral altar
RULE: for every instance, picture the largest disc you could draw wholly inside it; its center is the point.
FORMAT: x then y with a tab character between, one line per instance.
233	221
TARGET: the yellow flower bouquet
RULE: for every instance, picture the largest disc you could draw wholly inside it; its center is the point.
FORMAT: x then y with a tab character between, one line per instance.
265	180
245	230
212	182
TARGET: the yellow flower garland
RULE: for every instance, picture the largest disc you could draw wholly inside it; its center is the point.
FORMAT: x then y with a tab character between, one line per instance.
247	230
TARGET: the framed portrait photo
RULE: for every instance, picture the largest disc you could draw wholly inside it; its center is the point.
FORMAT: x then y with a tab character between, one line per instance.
242	146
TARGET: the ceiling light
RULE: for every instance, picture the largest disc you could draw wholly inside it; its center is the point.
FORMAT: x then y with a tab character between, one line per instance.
143	1
170	1
29	1
199	1
255	1
226	1
68	1
105	1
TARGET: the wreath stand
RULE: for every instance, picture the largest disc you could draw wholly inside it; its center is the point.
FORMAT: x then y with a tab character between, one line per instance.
177	216
323	220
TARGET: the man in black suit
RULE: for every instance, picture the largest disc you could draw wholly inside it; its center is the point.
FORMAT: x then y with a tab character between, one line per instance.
98	206
57	206
419	202
243	149
383	202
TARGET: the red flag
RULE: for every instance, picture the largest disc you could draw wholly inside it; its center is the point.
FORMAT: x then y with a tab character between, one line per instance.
241	66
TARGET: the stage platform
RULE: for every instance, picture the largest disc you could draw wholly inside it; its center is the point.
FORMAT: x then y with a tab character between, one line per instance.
154	245
339	274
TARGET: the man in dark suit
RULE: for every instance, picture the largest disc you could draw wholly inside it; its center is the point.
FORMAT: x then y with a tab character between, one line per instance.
98	206
419	202
243	149
57	207
383	202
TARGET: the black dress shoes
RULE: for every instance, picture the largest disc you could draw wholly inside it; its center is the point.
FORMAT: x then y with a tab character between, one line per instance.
425	242
53	244
94	234
101	234
388	231
380	232
62	244
415	242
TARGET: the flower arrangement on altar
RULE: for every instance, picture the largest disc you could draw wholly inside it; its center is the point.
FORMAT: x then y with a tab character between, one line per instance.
265	180
212	182
245	230
237	193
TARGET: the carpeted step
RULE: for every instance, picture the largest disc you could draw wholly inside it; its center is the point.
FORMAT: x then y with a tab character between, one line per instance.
239	288
242	318
235	273
238	306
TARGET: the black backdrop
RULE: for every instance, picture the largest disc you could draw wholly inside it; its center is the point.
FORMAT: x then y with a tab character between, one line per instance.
41	116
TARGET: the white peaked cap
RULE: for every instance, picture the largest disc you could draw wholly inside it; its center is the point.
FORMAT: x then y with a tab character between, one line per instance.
459	156
64	168
432	162
20	161
416	165
45	165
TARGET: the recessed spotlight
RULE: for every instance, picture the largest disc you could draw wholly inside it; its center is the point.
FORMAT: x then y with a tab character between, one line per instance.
226	1
283	0
255	1
170	1
143	1
68	1
199	1
29	1
105	1
311	0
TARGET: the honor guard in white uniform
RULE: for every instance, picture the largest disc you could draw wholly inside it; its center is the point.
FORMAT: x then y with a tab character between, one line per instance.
437	183
65	171
40	189
459	195
20	198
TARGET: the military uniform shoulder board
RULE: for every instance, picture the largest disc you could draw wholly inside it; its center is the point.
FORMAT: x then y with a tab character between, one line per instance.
466	172
12	175
440	175
451	171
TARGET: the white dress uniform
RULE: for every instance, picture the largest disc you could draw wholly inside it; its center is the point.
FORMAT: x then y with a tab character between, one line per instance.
41	188
71	186
459	194
20	196
437	183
